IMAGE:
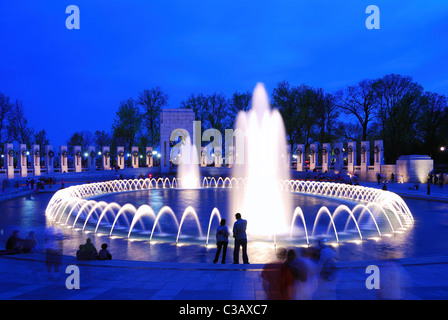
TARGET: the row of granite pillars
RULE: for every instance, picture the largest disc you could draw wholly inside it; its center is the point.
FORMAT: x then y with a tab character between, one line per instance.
49	155
338	149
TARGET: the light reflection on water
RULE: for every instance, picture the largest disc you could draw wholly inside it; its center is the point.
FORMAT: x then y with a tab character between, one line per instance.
427	237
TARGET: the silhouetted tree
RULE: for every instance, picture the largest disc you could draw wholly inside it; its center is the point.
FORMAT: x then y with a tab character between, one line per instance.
18	124
152	101
40	138
360	101
399	98
296	107
5	108
102	139
238	102
127	123
431	120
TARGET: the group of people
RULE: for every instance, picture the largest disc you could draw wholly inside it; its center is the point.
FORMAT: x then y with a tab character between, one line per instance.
16	244
239	234
437	179
296	275
88	251
39	183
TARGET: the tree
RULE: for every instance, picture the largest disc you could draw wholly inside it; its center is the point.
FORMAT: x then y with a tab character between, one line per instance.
17	127
40	138
101	139
5	108
360	101
324	109
217	111
81	138
237	103
127	123
399	98
430	121
347	131
296	107
152	101
199	104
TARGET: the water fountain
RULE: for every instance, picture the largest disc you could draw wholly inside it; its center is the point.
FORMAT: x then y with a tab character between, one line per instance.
377	213
188	168
259	188
265	164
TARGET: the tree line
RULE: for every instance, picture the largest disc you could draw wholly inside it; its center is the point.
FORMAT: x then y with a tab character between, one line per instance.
393	108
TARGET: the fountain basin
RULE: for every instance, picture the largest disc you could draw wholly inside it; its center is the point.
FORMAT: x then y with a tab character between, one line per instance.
158	210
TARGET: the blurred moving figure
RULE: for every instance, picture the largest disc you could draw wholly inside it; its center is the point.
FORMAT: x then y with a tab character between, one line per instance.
271	276
306	287
393	278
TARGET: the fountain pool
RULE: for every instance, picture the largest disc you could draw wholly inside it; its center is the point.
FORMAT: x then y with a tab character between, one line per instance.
159	211
426	237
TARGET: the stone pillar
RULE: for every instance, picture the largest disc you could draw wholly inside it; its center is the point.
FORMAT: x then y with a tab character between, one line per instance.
338	156
351	157
217	156
35	159
77	158
105	152
9	160
120	157
149	157
300	157
378	157
230	156
63	163
22	160
49	158
203	157
326	153
135	157
313	156
91	159
365	158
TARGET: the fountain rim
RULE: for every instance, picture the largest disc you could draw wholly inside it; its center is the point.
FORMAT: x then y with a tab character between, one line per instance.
84	192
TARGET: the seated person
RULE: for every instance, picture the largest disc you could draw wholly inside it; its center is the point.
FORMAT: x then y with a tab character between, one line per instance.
104	254
29	243
87	251
14	243
81	254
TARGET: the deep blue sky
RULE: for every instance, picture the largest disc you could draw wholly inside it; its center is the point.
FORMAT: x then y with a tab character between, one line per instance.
72	80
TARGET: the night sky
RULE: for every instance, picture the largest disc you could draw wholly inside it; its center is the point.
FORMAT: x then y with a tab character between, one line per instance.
73	80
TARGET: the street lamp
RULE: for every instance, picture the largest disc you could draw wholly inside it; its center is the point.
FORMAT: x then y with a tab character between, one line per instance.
442	148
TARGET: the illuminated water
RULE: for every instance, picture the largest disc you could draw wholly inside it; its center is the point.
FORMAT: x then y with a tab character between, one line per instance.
264	162
427	237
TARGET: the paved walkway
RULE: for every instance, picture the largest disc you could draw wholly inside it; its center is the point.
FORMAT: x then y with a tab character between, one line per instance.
25	277
408	190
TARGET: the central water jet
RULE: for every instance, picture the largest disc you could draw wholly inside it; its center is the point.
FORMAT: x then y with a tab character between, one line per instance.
188	169
264	164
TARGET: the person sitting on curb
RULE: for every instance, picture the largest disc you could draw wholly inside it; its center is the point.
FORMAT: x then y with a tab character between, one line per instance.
87	251
104	254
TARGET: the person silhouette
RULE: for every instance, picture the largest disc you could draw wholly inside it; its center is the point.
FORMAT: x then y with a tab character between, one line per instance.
222	240
239	233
